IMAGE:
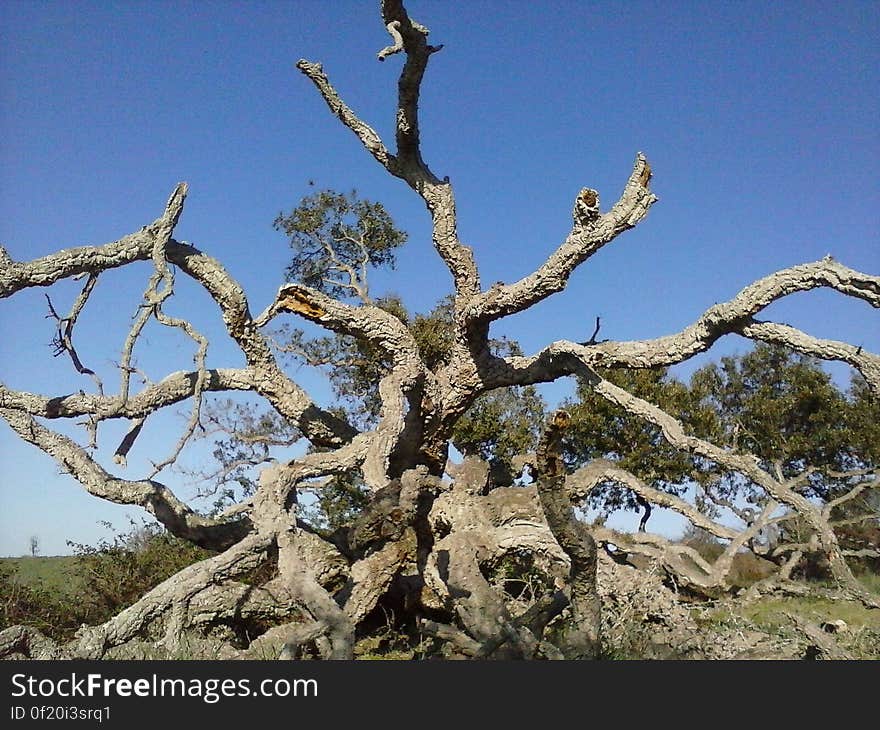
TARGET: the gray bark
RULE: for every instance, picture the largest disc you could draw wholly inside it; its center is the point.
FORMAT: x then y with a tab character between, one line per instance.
582	639
434	541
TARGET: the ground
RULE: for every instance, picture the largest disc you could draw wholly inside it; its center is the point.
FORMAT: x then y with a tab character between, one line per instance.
642	619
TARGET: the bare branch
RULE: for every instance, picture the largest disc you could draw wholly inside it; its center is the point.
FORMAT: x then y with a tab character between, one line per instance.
286	397
198	389
564	358
850	495
408	164
396	47
174	388
63	341
120	456
581	482
582	637
365	133
73	262
867	363
365	322
156	498
589	234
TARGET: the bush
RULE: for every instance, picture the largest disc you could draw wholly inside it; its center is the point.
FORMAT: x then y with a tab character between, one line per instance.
118	572
111	576
20	603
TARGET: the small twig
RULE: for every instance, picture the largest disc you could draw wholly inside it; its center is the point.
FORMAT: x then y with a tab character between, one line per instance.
63	339
592	340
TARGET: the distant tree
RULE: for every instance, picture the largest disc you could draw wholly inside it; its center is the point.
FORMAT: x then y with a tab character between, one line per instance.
782	407
34	545
601	429
773	403
336	238
785	409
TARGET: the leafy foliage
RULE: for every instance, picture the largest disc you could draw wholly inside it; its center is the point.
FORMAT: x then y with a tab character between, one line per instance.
600	429
110	576
771	402
335	237
337	502
47	610
120	571
785	409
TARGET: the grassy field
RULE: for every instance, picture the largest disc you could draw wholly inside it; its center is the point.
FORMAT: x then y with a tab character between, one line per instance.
771	612
55	573
871	581
60	573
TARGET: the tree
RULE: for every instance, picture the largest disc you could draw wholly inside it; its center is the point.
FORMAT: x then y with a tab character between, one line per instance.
774	403
602	430
782	407
423	546
34	545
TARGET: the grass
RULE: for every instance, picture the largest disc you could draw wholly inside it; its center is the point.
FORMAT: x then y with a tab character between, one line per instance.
871	581
60	575
56	574
771	612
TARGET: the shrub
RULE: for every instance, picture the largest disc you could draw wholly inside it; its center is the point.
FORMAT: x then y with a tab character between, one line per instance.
118	572
20	603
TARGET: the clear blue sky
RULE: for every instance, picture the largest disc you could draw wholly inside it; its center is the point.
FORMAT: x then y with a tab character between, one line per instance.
760	121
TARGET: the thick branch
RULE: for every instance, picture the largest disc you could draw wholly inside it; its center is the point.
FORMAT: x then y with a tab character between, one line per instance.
581	482
563	358
400	390
364	132
175	388
582	636
156	498
867	363
408	164
365	322
322	428
674	433
172	597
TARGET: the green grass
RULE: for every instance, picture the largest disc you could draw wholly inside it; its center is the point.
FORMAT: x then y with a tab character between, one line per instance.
56	574
771	612
871	581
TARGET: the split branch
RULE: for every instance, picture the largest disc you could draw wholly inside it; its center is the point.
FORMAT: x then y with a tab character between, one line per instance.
590	233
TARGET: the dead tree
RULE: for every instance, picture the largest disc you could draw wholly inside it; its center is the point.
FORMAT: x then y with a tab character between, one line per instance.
425	539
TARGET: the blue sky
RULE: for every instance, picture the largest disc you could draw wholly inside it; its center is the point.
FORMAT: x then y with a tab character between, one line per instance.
759	119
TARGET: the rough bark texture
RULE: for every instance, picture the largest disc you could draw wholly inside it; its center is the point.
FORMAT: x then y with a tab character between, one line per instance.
432	546
582	627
